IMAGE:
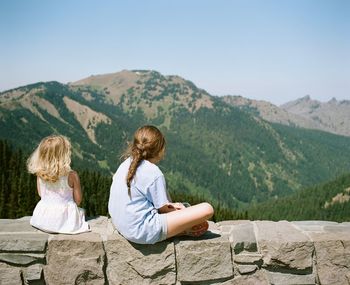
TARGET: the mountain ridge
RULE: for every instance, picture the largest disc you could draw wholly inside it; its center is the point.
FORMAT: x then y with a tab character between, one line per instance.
332	116
218	150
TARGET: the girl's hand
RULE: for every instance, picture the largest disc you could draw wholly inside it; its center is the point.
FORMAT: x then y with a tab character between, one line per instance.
170	207
178	206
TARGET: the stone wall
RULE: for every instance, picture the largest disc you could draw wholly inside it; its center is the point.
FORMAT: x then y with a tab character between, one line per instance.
232	252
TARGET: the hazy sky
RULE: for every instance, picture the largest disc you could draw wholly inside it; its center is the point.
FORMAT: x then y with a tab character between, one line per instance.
270	50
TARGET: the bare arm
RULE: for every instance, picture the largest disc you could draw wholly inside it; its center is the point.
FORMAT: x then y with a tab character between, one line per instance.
38	185
74	182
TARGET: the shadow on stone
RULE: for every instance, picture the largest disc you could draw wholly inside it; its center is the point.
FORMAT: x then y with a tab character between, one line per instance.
147	249
279	269
208	235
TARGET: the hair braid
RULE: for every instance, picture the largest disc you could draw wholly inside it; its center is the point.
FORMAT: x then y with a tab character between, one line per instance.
136	160
148	144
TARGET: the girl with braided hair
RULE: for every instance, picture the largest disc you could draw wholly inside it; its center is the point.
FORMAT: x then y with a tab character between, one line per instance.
139	204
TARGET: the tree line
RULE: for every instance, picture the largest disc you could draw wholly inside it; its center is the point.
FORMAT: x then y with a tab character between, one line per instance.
18	193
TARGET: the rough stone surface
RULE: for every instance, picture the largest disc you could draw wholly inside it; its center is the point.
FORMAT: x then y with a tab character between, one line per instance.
130	263
248	258
313	225
258	278
246	268
18	225
333	257
282	245
10	275
208	258
242	238
225	227
33	274
80	257
232	252
32	242
278	278
22	258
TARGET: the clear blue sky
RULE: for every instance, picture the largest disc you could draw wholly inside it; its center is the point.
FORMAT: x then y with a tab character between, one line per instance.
269	50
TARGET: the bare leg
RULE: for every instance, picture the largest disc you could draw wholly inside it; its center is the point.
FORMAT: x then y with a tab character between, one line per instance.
180	221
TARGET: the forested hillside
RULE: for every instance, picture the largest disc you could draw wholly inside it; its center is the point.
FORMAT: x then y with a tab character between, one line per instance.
214	150
18	194
328	201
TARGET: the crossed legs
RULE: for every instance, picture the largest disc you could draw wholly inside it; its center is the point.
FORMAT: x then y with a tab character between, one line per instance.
182	220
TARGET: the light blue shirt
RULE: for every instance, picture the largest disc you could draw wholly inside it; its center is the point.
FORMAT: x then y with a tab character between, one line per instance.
136	217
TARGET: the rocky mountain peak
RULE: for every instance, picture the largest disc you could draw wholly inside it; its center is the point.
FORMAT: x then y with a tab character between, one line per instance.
149	90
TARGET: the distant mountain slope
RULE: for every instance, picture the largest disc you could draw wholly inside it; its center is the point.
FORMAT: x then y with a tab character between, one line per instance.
269	112
333	116
214	149
329	201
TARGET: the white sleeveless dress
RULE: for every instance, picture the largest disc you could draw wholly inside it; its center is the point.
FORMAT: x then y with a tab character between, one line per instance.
57	212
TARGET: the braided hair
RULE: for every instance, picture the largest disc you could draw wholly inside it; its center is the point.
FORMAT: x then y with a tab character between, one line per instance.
149	144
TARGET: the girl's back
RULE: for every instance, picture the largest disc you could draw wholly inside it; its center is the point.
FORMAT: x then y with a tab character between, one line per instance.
57	212
56	193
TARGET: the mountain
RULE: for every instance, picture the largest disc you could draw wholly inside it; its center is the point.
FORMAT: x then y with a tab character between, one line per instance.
214	149
328	201
332	116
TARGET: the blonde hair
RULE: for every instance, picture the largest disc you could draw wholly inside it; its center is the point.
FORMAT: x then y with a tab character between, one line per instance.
51	159
148	143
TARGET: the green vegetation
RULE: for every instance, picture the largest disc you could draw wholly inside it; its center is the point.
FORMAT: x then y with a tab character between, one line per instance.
18	195
328	201
220	153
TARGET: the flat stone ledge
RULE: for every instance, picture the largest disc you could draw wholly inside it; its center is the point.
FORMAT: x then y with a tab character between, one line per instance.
232	252
242	238
282	245
16	226
23	242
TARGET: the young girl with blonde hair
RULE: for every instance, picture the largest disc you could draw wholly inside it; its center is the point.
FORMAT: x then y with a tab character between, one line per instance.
58	186
139	205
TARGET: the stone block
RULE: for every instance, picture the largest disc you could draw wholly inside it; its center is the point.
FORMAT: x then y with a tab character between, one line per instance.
337	229
102	226
225	227
332	257
246	268
22	258
282	245
202	259
312	225
10	275
277	278
258	278
75	259
232	222
16	225
26	242
248	258
34	274
242	238
213	227
130	263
